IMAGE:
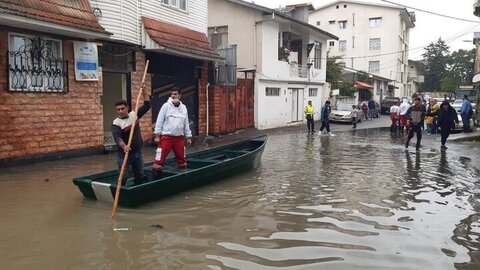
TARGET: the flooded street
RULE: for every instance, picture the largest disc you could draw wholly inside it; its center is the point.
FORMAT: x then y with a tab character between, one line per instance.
352	201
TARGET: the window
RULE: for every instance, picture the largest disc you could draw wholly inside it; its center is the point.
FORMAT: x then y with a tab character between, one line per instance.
180	4
375	22
317	56
331	22
342	64
318	23
272	91
375	44
312	92
35	64
374	66
342	45
218	36
331	43
227	69
342	24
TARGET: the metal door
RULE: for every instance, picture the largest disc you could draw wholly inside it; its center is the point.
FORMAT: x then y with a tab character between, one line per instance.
297	104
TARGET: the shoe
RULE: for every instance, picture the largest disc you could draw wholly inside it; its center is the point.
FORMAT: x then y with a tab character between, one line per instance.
443	147
417	148
406	146
428	133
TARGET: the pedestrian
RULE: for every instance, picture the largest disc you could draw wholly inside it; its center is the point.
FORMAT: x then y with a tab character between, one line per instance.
354	116
434	110
402	111
394	116
371	108
171	129
365	110
309	115
466	112
447	117
121	132
324	118
415	114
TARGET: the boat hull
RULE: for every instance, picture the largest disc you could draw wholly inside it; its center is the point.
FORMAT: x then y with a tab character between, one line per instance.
204	167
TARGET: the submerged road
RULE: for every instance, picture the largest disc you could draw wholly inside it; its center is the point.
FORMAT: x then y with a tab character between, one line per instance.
357	200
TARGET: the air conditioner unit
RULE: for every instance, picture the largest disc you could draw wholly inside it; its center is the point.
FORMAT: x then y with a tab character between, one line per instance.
476	8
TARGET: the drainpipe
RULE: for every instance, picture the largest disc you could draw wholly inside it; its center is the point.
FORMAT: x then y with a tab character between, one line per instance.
206	94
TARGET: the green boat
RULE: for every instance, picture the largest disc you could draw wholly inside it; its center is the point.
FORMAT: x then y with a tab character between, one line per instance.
203	167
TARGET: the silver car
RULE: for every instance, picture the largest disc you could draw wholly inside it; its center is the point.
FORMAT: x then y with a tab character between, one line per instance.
343	113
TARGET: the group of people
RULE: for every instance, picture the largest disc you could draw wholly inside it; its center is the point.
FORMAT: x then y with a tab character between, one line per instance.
436	117
171	130
309	112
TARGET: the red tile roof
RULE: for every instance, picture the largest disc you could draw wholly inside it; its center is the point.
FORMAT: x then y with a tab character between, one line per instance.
179	38
360	84
72	13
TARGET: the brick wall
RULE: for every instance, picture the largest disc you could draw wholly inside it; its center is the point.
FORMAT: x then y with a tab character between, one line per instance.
202	103
43	123
136	79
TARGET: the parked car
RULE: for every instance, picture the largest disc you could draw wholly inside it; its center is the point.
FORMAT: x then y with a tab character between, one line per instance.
376	111
343	113
387	103
457	105
459	126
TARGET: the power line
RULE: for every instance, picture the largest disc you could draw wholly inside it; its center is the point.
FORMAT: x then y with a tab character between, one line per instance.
430	12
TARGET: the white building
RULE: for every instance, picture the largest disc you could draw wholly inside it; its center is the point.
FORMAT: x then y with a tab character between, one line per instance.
288	56
416	71
372	37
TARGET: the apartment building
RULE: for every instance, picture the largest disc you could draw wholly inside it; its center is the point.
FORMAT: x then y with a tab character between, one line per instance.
372	38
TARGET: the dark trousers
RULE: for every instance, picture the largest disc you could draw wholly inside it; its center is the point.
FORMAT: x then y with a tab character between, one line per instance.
354	122
466	122
310	124
444	133
135	162
325	124
415	129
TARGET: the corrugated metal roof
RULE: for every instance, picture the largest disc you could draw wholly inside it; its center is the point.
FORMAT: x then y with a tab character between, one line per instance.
72	13
179	38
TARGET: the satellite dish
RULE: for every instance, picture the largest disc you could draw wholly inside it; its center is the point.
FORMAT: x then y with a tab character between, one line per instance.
476	78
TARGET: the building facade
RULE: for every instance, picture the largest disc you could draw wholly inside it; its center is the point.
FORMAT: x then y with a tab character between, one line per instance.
286	54
372	37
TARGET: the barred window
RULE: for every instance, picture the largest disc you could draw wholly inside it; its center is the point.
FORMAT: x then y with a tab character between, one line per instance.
375	44
342	45
312	92
36	64
318	56
272	91
374	66
342	24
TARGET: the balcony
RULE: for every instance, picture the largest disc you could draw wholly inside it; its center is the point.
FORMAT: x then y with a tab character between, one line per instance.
297	70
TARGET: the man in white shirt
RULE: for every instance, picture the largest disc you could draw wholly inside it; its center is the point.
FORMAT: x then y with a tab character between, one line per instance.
402	111
394	116
171	129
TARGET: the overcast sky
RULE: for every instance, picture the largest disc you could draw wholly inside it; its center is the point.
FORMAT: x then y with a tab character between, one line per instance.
428	27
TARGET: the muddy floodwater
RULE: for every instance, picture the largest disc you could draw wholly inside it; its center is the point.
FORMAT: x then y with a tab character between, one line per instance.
352	201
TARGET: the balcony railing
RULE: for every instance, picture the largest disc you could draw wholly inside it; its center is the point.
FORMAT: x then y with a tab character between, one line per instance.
297	70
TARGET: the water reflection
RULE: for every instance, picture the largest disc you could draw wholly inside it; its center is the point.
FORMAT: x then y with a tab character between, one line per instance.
353	201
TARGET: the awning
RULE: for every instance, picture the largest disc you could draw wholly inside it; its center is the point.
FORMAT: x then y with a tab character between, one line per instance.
364	85
177	40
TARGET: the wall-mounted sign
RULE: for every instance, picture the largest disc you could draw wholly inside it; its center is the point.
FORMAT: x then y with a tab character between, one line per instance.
86	61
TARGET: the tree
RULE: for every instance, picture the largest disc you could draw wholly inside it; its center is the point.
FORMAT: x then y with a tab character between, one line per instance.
334	72
461	64
450	81
436	56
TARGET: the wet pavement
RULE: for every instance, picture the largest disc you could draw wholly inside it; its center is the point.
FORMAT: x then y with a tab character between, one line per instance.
356	200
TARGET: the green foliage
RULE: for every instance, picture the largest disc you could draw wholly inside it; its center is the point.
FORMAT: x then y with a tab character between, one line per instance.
450	81
462	65
334	72
445	71
436	56
347	89
363	77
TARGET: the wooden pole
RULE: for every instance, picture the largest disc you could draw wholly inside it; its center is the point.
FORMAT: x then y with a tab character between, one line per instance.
125	159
